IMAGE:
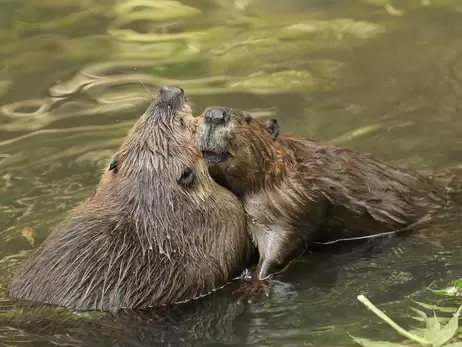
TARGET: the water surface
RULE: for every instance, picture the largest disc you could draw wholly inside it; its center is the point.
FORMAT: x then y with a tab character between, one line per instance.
379	76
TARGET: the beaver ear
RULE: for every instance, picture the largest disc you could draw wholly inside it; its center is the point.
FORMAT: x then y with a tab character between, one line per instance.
187	177
247	117
113	164
272	126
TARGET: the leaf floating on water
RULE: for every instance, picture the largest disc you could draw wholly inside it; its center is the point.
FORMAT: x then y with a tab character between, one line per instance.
436	308
422	314
444	334
433	334
436	334
450	291
433	328
28	233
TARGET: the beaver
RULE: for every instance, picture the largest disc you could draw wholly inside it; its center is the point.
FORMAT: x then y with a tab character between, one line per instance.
157	230
298	192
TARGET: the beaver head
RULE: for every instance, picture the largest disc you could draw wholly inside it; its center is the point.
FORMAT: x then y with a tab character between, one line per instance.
159	151
158	230
239	150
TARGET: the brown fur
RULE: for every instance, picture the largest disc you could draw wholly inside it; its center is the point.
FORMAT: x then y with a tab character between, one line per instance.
145	238
299	191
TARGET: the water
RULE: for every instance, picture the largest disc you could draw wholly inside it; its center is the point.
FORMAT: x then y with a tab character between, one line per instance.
382	79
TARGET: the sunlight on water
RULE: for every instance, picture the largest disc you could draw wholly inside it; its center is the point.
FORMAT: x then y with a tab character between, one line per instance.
381	76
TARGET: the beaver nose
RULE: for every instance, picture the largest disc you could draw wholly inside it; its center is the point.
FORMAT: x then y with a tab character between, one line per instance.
216	115
171	92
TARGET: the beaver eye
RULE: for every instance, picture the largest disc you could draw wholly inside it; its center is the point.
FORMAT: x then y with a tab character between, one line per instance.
113	165
187	176
272	126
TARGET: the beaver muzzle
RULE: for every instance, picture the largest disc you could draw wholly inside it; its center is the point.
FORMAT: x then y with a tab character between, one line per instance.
212	158
212	148
170	99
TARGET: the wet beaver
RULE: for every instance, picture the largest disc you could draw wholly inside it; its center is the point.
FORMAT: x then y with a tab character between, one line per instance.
158	230
299	191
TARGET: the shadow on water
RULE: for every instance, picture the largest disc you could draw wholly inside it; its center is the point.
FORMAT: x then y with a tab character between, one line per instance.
383	79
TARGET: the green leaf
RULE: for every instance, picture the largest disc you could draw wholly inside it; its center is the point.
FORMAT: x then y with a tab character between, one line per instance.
433	328
447	332
450	291
436	308
433	334
420	313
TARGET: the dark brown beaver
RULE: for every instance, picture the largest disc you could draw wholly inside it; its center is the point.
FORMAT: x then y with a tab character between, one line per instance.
158	230
299	191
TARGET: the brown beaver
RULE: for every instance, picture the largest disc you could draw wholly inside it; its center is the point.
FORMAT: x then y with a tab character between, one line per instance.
158	230
299	191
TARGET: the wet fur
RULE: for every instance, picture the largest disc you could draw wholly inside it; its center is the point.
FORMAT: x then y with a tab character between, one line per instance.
299	191
144	238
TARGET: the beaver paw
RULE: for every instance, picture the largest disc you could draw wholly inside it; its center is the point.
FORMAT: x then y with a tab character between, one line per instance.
249	289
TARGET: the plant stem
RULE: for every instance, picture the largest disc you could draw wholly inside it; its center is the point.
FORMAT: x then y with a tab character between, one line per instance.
390	322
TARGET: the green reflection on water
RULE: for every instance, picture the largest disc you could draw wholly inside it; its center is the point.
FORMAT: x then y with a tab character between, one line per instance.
74	75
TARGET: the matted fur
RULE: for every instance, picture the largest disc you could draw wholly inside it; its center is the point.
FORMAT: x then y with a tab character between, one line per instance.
143	239
298	191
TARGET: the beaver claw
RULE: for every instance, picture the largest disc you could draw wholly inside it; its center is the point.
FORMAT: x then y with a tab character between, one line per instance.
249	289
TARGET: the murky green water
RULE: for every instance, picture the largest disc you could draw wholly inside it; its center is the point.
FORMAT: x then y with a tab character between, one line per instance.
381	76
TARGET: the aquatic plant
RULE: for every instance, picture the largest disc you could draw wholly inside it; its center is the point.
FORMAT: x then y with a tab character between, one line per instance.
454	290
434	334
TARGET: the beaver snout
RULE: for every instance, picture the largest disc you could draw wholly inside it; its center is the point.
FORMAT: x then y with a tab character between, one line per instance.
170	93
216	116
